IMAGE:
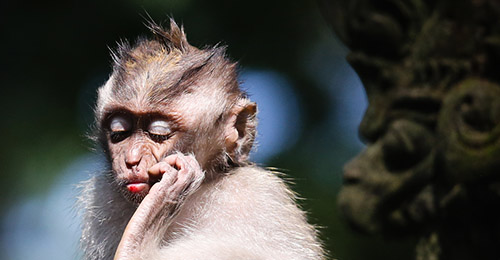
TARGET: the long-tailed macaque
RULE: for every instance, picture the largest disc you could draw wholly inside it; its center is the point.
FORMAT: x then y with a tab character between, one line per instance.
177	131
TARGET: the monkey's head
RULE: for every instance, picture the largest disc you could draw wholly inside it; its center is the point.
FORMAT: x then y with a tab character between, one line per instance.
166	96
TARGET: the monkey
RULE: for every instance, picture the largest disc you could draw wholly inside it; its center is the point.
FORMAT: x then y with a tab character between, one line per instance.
176	131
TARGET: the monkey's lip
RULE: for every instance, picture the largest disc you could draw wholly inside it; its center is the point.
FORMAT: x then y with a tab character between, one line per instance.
138	187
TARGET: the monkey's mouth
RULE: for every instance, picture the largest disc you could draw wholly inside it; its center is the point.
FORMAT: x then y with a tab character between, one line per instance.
138	184
138	187
141	186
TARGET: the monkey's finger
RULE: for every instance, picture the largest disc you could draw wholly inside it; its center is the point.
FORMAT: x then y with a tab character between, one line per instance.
163	175
159	169
176	160
181	162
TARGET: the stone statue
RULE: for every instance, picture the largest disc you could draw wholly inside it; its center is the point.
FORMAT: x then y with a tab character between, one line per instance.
431	168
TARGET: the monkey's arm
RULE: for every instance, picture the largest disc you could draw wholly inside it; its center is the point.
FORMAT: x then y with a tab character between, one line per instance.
248	214
143	232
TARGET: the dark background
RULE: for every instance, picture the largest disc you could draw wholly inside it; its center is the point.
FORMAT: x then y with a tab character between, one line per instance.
54	55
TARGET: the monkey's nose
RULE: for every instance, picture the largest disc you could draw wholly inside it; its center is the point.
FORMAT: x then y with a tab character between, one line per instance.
134	155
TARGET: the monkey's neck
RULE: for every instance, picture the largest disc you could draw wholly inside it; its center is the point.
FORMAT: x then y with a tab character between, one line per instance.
105	215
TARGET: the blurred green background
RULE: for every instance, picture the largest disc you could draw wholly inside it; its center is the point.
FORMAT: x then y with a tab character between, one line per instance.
55	54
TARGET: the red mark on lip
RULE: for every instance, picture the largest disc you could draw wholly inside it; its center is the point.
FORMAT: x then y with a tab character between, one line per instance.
133	189
137	187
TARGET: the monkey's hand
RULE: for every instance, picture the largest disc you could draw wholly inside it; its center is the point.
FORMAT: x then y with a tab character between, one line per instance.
180	175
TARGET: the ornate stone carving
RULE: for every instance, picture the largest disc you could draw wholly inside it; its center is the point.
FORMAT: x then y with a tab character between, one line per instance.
432	162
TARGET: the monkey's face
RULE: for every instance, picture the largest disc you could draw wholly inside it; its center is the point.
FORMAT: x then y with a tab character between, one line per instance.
137	141
140	136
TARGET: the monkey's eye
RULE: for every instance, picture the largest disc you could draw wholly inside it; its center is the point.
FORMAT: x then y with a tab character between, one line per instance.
119	127
159	130
119	124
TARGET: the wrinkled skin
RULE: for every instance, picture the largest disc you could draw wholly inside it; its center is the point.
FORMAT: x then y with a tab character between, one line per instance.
136	144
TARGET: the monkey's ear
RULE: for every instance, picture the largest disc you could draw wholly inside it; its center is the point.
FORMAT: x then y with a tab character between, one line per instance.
240	130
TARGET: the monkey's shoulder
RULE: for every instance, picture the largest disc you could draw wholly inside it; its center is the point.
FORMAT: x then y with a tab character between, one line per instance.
258	176
256	184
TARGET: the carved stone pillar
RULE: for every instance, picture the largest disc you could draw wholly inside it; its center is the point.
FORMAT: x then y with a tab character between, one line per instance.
431	168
